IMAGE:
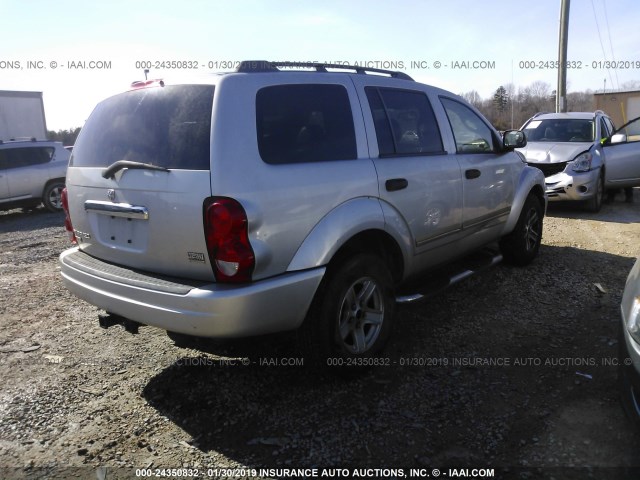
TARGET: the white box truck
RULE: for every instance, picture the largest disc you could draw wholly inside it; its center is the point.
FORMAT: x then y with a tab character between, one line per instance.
22	115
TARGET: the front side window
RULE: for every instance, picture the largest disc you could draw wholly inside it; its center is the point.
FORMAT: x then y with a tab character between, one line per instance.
471	134
305	123
166	126
560	130
404	122
24	156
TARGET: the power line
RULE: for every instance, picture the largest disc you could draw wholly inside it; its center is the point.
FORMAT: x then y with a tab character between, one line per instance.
600	38
613	58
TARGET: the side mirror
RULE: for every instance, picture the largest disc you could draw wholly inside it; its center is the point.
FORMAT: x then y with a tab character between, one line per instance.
618	138
513	139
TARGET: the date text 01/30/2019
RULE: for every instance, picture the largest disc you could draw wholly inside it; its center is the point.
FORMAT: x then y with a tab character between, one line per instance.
579	64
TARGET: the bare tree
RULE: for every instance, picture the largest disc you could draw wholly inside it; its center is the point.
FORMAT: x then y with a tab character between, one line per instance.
580	101
630	85
473	97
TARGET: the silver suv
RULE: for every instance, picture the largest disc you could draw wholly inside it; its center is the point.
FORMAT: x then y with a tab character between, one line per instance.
629	347
581	155
274	198
32	172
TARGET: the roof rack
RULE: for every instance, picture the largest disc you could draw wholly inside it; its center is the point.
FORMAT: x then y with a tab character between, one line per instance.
20	139
261	66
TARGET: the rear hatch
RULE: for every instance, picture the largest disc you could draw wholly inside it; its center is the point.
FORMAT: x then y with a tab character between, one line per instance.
138	176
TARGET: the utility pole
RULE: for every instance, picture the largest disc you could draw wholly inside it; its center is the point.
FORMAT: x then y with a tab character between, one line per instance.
561	94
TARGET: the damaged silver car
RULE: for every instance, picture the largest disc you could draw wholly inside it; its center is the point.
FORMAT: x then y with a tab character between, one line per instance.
581	155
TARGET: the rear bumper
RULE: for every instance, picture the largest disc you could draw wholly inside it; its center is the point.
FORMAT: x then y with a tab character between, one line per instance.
199	309
577	186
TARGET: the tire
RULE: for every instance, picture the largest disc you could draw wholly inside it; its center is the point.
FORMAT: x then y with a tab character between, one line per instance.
51	198
351	316
521	246
628	398
628	394
594	204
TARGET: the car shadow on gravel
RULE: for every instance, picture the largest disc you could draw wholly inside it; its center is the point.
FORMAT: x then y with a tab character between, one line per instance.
558	407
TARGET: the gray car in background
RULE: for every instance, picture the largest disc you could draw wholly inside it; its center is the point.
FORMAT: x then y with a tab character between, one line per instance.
32	172
582	155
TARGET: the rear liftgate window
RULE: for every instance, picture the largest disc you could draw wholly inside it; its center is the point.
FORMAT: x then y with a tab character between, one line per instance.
166	126
304	123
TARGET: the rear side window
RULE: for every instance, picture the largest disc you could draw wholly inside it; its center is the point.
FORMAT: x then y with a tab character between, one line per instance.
304	123
166	126
404	122
24	157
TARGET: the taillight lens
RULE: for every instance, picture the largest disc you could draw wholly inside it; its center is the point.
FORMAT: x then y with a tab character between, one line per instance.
227	238
67	219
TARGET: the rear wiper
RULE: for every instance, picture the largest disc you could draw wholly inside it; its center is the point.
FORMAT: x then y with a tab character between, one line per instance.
111	170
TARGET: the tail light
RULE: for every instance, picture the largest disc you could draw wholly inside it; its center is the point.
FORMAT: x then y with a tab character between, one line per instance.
67	218
227	238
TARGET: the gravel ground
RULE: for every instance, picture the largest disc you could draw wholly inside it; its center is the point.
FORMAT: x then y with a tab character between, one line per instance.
512	370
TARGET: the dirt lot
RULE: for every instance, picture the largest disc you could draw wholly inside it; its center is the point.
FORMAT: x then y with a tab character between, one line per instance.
512	370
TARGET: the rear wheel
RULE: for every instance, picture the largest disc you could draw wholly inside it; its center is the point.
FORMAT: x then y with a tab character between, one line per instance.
594	204
629	396
52	196
521	246
351	317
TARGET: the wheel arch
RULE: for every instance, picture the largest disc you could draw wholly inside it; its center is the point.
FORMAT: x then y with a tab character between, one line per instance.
356	226
376	242
531	182
52	181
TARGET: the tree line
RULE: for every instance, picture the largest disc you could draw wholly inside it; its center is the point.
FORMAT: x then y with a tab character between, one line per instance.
67	137
510	107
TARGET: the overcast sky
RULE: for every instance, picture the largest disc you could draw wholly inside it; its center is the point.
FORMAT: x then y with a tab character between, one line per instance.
479	45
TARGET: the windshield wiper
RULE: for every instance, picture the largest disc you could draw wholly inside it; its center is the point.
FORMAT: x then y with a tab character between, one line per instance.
115	167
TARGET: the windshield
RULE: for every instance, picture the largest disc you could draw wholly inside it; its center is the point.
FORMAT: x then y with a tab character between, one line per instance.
164	126
560	130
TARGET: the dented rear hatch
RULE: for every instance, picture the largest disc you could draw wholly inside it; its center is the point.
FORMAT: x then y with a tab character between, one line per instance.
138	176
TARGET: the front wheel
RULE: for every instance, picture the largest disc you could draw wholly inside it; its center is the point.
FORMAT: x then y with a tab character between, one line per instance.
521	246
594	204
352	314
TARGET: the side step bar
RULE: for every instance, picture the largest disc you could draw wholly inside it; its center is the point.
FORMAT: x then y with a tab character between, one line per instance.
441	283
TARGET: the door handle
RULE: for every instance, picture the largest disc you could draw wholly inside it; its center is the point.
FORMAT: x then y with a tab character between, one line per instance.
395	184
471	174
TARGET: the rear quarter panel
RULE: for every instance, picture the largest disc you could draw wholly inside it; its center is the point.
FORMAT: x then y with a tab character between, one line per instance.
283	202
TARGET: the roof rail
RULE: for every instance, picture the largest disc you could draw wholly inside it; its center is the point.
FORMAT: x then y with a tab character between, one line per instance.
540	113
20	139
261	66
